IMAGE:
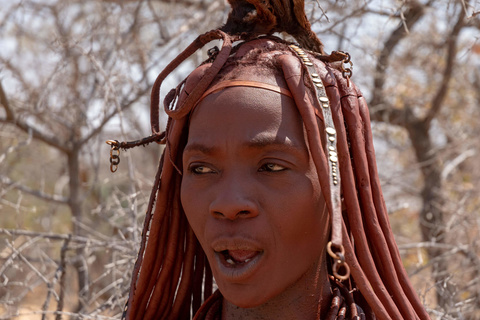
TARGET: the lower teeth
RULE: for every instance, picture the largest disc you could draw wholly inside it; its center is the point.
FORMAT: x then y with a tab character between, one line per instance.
230	261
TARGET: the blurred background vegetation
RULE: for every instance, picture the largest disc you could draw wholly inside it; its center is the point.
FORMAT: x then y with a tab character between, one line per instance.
76	73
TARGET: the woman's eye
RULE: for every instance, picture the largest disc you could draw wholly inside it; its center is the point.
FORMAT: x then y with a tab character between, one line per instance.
200	169
272	167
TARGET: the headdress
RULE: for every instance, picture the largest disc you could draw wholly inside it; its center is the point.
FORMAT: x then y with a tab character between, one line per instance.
172	278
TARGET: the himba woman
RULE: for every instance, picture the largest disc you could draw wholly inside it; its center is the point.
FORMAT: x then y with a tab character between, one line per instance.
268	182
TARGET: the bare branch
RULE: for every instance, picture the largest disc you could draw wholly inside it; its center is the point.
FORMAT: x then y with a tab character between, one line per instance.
5	104
414	13
442	90
25	260
24	126
112	114
450	166
15	147
37	193
58	236
14	254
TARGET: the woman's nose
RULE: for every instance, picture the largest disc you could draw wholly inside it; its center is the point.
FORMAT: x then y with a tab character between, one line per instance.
234	198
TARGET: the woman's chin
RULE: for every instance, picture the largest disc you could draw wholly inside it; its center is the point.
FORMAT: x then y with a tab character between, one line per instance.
244	301
246	297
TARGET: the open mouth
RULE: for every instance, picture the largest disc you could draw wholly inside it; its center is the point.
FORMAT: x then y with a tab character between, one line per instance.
238	257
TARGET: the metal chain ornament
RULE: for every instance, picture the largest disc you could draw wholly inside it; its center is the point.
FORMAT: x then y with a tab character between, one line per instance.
335	248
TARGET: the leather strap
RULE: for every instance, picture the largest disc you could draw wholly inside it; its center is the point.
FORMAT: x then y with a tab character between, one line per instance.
245	83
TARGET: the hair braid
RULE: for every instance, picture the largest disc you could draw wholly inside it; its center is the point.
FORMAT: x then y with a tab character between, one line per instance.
172	272
396	262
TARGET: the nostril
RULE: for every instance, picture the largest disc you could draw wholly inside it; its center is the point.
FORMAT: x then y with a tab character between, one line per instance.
233	216
217	214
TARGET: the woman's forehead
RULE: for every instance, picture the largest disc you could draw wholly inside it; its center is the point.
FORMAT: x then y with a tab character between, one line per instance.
231	101
252	108
245	121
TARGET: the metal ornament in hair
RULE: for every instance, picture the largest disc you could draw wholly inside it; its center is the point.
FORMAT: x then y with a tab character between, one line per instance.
335	248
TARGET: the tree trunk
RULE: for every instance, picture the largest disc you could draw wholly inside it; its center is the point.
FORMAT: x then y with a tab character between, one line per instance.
75	204
432	224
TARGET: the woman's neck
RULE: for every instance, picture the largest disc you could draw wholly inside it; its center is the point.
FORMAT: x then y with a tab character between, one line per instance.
306	299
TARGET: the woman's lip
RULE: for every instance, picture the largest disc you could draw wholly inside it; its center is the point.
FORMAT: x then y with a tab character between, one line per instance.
233	244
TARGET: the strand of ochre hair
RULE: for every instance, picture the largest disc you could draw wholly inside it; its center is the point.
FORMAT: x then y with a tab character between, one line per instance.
148	217
383	215
354	208
372	209
370	274
173	256
198	43
143	280
349	193
371	213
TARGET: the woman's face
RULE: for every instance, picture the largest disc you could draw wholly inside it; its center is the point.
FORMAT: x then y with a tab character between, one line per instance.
252	196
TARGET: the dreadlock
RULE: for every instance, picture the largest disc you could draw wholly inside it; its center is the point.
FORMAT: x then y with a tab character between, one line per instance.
172	278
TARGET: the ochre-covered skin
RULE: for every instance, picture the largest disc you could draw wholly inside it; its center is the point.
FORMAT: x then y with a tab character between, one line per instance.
265	209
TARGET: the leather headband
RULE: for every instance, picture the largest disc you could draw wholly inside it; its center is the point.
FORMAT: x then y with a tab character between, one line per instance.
245	83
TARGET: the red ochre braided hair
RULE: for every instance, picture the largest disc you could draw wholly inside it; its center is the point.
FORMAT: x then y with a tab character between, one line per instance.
172	278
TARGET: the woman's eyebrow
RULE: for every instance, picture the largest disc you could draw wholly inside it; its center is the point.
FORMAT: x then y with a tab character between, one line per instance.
275	142
199	147
283	144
